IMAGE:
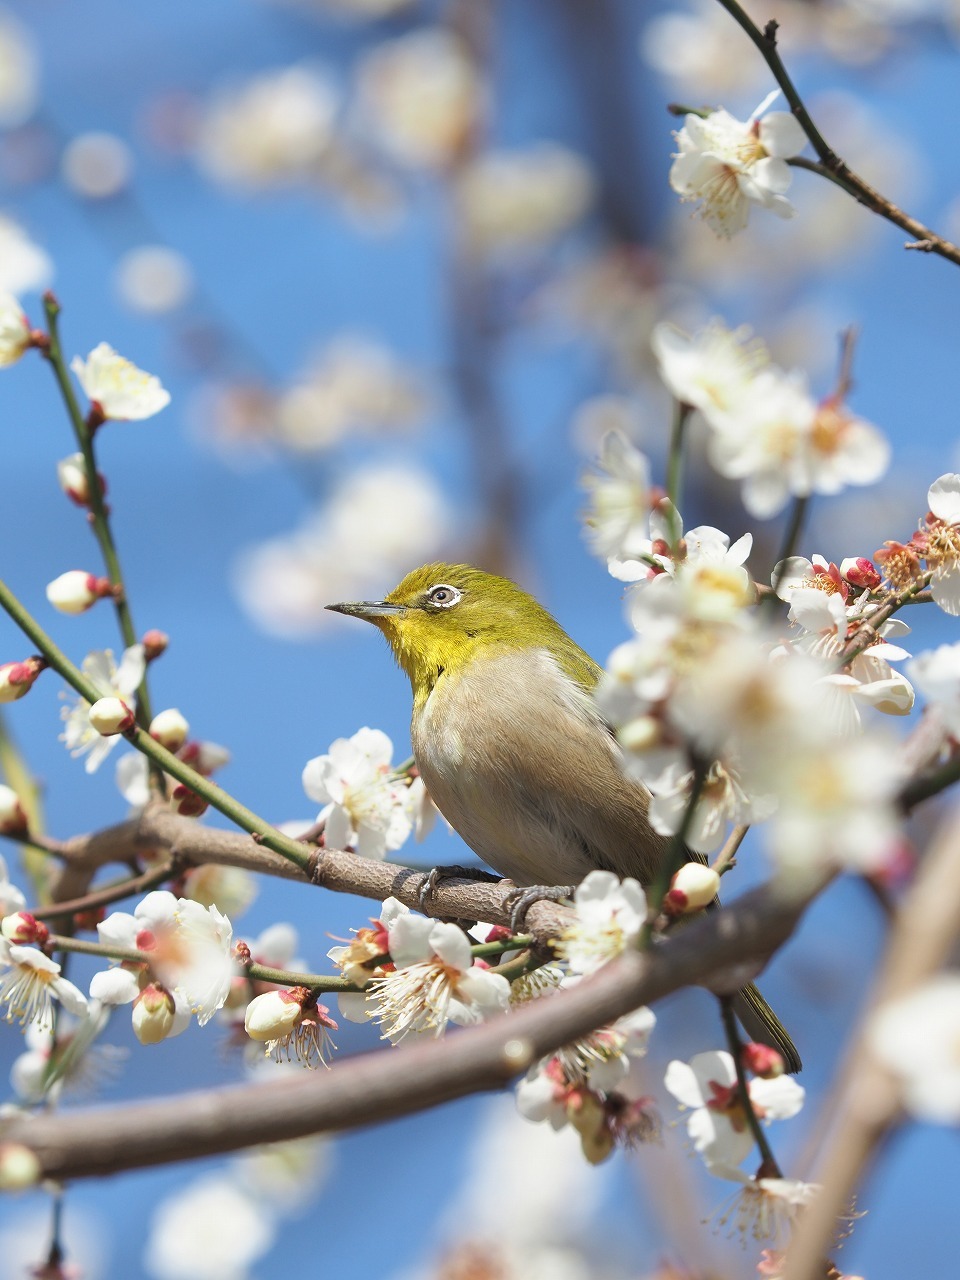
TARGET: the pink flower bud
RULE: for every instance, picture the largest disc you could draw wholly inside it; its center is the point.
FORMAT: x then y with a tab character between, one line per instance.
72	475
154	644
16	678
22	928
110	716
12	817
274	1014
153	1014
19	1167
186	802
694	887
170	729
75	591
860	572
763	1061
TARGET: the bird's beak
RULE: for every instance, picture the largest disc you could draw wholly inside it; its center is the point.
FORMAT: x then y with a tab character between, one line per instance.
370	610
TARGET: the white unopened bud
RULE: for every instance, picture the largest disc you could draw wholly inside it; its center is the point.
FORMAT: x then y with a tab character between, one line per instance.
694	887
16	678
170	729
110	716
15	332
12	816
19	1167
72	475
153	1015
273	1015
21	928
75	591
640	734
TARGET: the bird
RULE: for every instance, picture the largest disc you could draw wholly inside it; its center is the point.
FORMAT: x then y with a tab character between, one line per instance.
512	747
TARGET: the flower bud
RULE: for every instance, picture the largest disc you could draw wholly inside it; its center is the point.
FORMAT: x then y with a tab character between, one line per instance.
19	1167
186	802
110	716
16	336
763	1061
693	888
273	1015
22	928
153	1015
154	644
72	474
640	734
860	572
16	678
170	729
75	591
12	817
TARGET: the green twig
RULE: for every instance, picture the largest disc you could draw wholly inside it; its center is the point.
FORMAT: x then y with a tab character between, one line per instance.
99	518
769	1166
239	814
836	169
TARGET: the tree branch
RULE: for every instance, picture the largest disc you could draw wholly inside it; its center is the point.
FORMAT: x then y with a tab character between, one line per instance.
375	1087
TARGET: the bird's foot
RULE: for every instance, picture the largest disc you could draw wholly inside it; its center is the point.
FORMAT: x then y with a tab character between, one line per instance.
519	901
454	872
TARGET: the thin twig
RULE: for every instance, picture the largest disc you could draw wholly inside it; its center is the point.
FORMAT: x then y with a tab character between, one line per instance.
769	1166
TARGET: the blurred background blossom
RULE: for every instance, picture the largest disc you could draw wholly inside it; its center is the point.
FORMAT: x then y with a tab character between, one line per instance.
398	264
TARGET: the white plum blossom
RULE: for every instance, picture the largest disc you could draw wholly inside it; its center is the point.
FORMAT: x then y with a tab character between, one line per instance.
942	541
366	805
515	201
436	981
712	370
12	899
29	983
15	331
24	266
618	521
610	915
936	674
717	1124
189	947
781	443
111	681
723	799
918	1038
274	128
728	164
209	1229
837	807
118	388
764	1209
422	96
291	1021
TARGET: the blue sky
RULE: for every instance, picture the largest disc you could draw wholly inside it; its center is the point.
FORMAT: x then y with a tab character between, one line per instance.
286	269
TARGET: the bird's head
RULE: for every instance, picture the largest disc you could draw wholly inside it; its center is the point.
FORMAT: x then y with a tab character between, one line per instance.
442	617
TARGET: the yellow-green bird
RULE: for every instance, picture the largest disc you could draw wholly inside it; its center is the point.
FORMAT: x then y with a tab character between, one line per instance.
511	746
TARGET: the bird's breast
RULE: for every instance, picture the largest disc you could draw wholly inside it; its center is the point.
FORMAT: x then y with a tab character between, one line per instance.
518	761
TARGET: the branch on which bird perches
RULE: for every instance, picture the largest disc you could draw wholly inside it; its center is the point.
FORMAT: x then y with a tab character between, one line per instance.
375	1087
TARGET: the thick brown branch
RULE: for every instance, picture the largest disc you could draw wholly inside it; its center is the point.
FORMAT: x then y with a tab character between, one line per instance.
378	1086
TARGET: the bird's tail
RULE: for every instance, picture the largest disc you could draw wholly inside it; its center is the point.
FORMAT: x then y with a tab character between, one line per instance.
761	1023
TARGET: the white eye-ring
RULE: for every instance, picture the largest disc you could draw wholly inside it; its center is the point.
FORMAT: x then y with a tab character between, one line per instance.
443	596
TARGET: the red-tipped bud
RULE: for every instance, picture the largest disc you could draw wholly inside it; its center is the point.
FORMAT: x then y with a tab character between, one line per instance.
76	591
693	888
16	678
13	820
153	1014
23	928
110	716
763	1061
860	572
186	802
170	729
499	933
274	1014
154	644
241	952
72	474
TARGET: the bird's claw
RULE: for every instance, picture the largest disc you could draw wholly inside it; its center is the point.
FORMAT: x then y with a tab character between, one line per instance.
519	901
430	882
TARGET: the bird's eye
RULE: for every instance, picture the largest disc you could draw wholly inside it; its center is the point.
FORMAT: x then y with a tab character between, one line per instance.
443	596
